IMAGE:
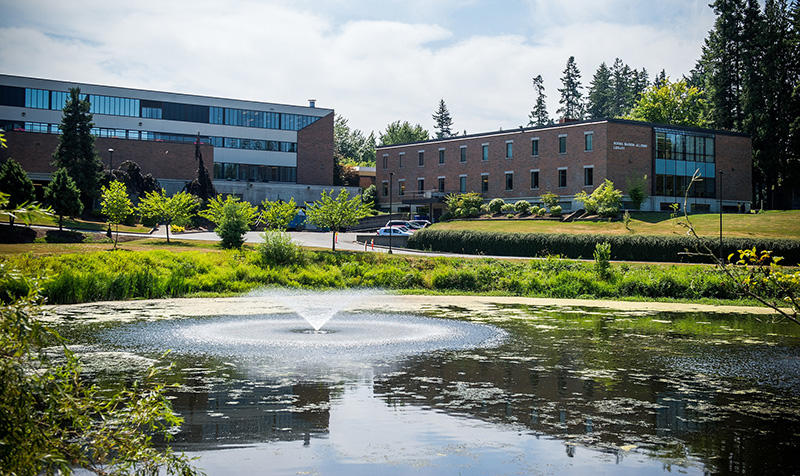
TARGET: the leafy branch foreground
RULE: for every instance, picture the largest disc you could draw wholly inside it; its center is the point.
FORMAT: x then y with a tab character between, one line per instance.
99	276
53	422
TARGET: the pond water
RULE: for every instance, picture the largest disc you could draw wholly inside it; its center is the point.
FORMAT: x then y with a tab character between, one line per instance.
397	385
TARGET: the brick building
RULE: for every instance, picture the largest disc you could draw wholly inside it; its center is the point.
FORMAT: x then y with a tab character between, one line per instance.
254	150
567	158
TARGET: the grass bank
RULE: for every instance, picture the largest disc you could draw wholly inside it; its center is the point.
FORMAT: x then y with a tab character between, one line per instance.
73	277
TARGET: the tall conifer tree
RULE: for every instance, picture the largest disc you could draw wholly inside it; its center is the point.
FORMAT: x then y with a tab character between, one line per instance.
75	151
539	115
571	97
600	93
443	121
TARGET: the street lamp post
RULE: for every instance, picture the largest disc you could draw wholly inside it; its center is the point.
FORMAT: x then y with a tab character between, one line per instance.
110	159
721	173
391	179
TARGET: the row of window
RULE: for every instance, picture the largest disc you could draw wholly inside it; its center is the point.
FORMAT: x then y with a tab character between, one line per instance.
509	150
676	186
254	173
226	142
588	181
684	146
129	107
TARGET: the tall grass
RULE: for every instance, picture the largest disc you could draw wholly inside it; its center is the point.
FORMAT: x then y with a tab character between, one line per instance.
123	275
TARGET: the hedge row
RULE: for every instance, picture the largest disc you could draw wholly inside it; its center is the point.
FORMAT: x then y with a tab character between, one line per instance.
623	247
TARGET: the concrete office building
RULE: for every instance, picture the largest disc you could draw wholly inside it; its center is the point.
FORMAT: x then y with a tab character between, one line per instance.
567	158
254	150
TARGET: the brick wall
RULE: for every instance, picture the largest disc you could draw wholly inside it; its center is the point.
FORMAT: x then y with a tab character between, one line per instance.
167	161
315	152
734	159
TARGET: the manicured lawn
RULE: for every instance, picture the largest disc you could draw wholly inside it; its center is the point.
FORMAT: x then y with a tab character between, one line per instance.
770	224
91	225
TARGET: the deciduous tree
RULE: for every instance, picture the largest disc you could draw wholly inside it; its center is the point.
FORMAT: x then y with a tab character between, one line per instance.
177	209
336	213
278	214
402	133
116	205
672	103
232	217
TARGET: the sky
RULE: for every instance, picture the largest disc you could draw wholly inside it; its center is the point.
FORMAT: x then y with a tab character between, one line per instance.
372	61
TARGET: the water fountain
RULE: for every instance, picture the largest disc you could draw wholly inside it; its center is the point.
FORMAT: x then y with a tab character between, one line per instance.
376	383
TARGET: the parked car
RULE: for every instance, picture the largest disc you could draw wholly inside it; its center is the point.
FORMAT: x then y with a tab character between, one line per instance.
394	231
400	223
419	224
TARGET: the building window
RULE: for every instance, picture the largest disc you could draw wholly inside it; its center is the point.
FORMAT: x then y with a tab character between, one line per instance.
401	187
385	161
385	188
400	160
535	147
534	179
422	158
562	178
37	98
420	184
484	151
441	156
441	184
509	149
562	144
588	139
588	176
463	153
509	180
678	155
462	184
484	183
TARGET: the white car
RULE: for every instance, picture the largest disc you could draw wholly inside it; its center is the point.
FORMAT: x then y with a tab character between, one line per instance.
394	231
419	224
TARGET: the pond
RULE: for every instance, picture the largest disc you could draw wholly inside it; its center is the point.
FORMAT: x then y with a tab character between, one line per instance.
429	385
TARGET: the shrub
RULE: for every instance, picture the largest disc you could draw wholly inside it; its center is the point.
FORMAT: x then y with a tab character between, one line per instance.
461	205
522	206
549	199
177	229
605	200
278	249
496	205
507	208
510	215
602	254
534	210
555	211
541	212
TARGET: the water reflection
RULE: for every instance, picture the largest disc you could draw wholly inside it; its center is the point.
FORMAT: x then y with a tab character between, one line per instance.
569	389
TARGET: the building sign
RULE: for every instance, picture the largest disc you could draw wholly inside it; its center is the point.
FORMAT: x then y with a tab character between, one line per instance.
624	145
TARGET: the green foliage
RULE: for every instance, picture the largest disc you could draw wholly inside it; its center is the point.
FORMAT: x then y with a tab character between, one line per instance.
443	121
496	205
337	213
636	191
75	151
178	209
402	133
549	199
53	422
670	103
370	196
604	200
278	249
556	211
116	205
16	183
232	218
352	147
507	208
463	205
626	247
626	219
602	255
278	214
539	115
571	101
522	206
63	196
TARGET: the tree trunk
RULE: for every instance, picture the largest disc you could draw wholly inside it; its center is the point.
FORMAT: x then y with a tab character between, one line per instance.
333	242
167	225
60	223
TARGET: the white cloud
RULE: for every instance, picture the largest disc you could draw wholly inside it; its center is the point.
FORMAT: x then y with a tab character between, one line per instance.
374	62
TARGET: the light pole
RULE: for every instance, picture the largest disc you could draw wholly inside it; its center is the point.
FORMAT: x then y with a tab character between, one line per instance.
110	159
721	173
391	179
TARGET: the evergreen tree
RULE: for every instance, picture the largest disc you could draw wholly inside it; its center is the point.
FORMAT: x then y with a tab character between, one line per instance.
661	78
16	183
723	64
539	115
623	84
600	93
443	121
201	187
75	151
63	196
571	97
